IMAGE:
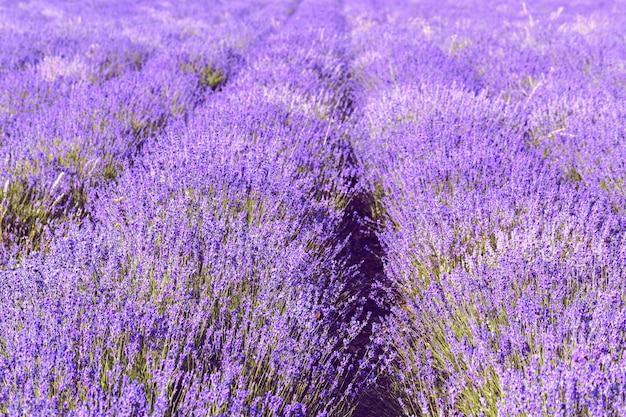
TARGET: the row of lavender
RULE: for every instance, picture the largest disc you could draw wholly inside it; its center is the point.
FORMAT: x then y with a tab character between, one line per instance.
496	140
200	276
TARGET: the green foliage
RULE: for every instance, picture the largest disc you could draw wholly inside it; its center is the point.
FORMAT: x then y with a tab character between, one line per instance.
431	347
117	63
208	75
26	209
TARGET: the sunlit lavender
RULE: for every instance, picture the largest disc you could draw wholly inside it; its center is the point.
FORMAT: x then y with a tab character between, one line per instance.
313	208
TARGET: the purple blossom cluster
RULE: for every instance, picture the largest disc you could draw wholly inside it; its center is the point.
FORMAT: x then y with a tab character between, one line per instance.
312	208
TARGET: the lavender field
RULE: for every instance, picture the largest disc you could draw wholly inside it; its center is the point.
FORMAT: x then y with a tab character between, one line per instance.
324	208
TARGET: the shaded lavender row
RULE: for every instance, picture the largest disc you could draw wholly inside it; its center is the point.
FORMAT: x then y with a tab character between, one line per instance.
206	279
496	141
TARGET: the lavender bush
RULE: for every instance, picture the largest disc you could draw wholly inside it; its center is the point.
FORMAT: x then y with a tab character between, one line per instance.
312	208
